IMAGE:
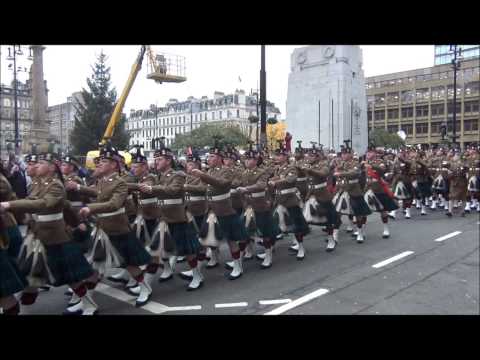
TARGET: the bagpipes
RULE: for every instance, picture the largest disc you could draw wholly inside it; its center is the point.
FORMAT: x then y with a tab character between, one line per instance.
373	174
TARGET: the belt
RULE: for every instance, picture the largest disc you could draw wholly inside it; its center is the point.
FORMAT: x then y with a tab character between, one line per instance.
288	191
350	181
153	200
118	212
76	203
302	179
373	180
130	197
170	201
258	194
219	197
319	186
51	217
197	198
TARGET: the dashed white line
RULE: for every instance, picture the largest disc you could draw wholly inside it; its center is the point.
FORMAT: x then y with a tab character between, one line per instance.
229	305
152	306
392	259
448	236
300	301
274	302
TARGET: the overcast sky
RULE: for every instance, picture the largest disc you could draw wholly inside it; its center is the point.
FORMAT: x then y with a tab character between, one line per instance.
208	68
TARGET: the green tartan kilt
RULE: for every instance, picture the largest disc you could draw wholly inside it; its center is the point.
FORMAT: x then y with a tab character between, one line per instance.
130	249
67	263
83	238
185	237
300	225
232	227
11	280
265	224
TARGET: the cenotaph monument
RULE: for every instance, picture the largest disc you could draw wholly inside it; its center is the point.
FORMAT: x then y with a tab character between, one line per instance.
326	101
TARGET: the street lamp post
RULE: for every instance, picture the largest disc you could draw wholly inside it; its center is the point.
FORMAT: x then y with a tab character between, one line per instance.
12	56
457	57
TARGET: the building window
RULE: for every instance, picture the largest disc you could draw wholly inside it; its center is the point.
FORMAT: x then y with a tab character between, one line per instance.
450	108
450	91
238	113
422	94
220	114
472	88
392	97
407	112
379	114
408	96
438	109
435	127
438	92
369	115
471	106
408	128
213	115
450	126
421	128
392	128
392	113
422	111
379	99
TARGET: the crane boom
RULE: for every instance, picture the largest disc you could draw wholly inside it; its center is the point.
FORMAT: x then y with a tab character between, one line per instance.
117	112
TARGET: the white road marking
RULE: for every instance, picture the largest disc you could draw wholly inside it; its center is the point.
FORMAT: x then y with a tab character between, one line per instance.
392	259
274	302
152	306
300	301
228	305
448	236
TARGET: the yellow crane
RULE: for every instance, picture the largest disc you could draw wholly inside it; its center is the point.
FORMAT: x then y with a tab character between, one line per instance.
161	68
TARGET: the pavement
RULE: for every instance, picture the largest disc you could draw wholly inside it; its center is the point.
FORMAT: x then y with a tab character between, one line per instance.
429	265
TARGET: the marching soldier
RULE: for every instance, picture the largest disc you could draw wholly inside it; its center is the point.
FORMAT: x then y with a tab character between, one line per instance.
65	263
319	204
222	216
473	181
287	202
349	199
302	176
402	184
230	161
420	179
438	169
170	193
458	182
148	215
11	279
115	244
378	195
258	212
196	201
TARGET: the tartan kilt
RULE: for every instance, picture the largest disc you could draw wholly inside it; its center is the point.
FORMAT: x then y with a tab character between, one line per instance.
83	238
185	237
232	227
67	263
404	190
199	219
379	202
130	249
15	242
359	206
424	189
11	280
331	213
300	225
265	225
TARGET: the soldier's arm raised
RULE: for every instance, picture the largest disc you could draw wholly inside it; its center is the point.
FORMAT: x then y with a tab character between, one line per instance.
54	196
175	188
